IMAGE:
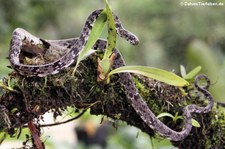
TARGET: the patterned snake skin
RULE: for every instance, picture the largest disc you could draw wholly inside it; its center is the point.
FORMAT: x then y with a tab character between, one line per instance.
52	68
77	44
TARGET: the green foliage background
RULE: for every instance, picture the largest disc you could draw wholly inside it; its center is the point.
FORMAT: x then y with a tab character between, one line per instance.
170	34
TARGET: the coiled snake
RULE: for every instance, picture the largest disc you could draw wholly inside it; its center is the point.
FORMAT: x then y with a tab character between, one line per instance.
75	45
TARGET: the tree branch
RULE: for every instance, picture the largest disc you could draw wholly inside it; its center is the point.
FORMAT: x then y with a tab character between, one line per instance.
36	96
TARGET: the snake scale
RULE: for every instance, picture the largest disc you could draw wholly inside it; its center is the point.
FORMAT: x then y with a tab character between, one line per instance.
77	44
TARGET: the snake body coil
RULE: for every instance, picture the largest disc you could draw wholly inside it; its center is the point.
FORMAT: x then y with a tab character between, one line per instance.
52	68
77	44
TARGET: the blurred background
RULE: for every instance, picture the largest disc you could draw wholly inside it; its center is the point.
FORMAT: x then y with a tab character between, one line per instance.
170	35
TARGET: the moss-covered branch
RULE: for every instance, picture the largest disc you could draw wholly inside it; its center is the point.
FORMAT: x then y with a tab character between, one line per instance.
35	96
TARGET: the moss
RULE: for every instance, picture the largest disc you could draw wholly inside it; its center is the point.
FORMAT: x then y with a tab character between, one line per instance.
37	96
210	135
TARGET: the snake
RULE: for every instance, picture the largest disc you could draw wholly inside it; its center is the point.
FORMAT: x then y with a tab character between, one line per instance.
76	45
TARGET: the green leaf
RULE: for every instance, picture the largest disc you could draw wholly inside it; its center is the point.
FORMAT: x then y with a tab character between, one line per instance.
193	73
111	32
105	65
93	37
165	114
6	87
182	71
195	123
111	44
176	117
14	110
154	73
